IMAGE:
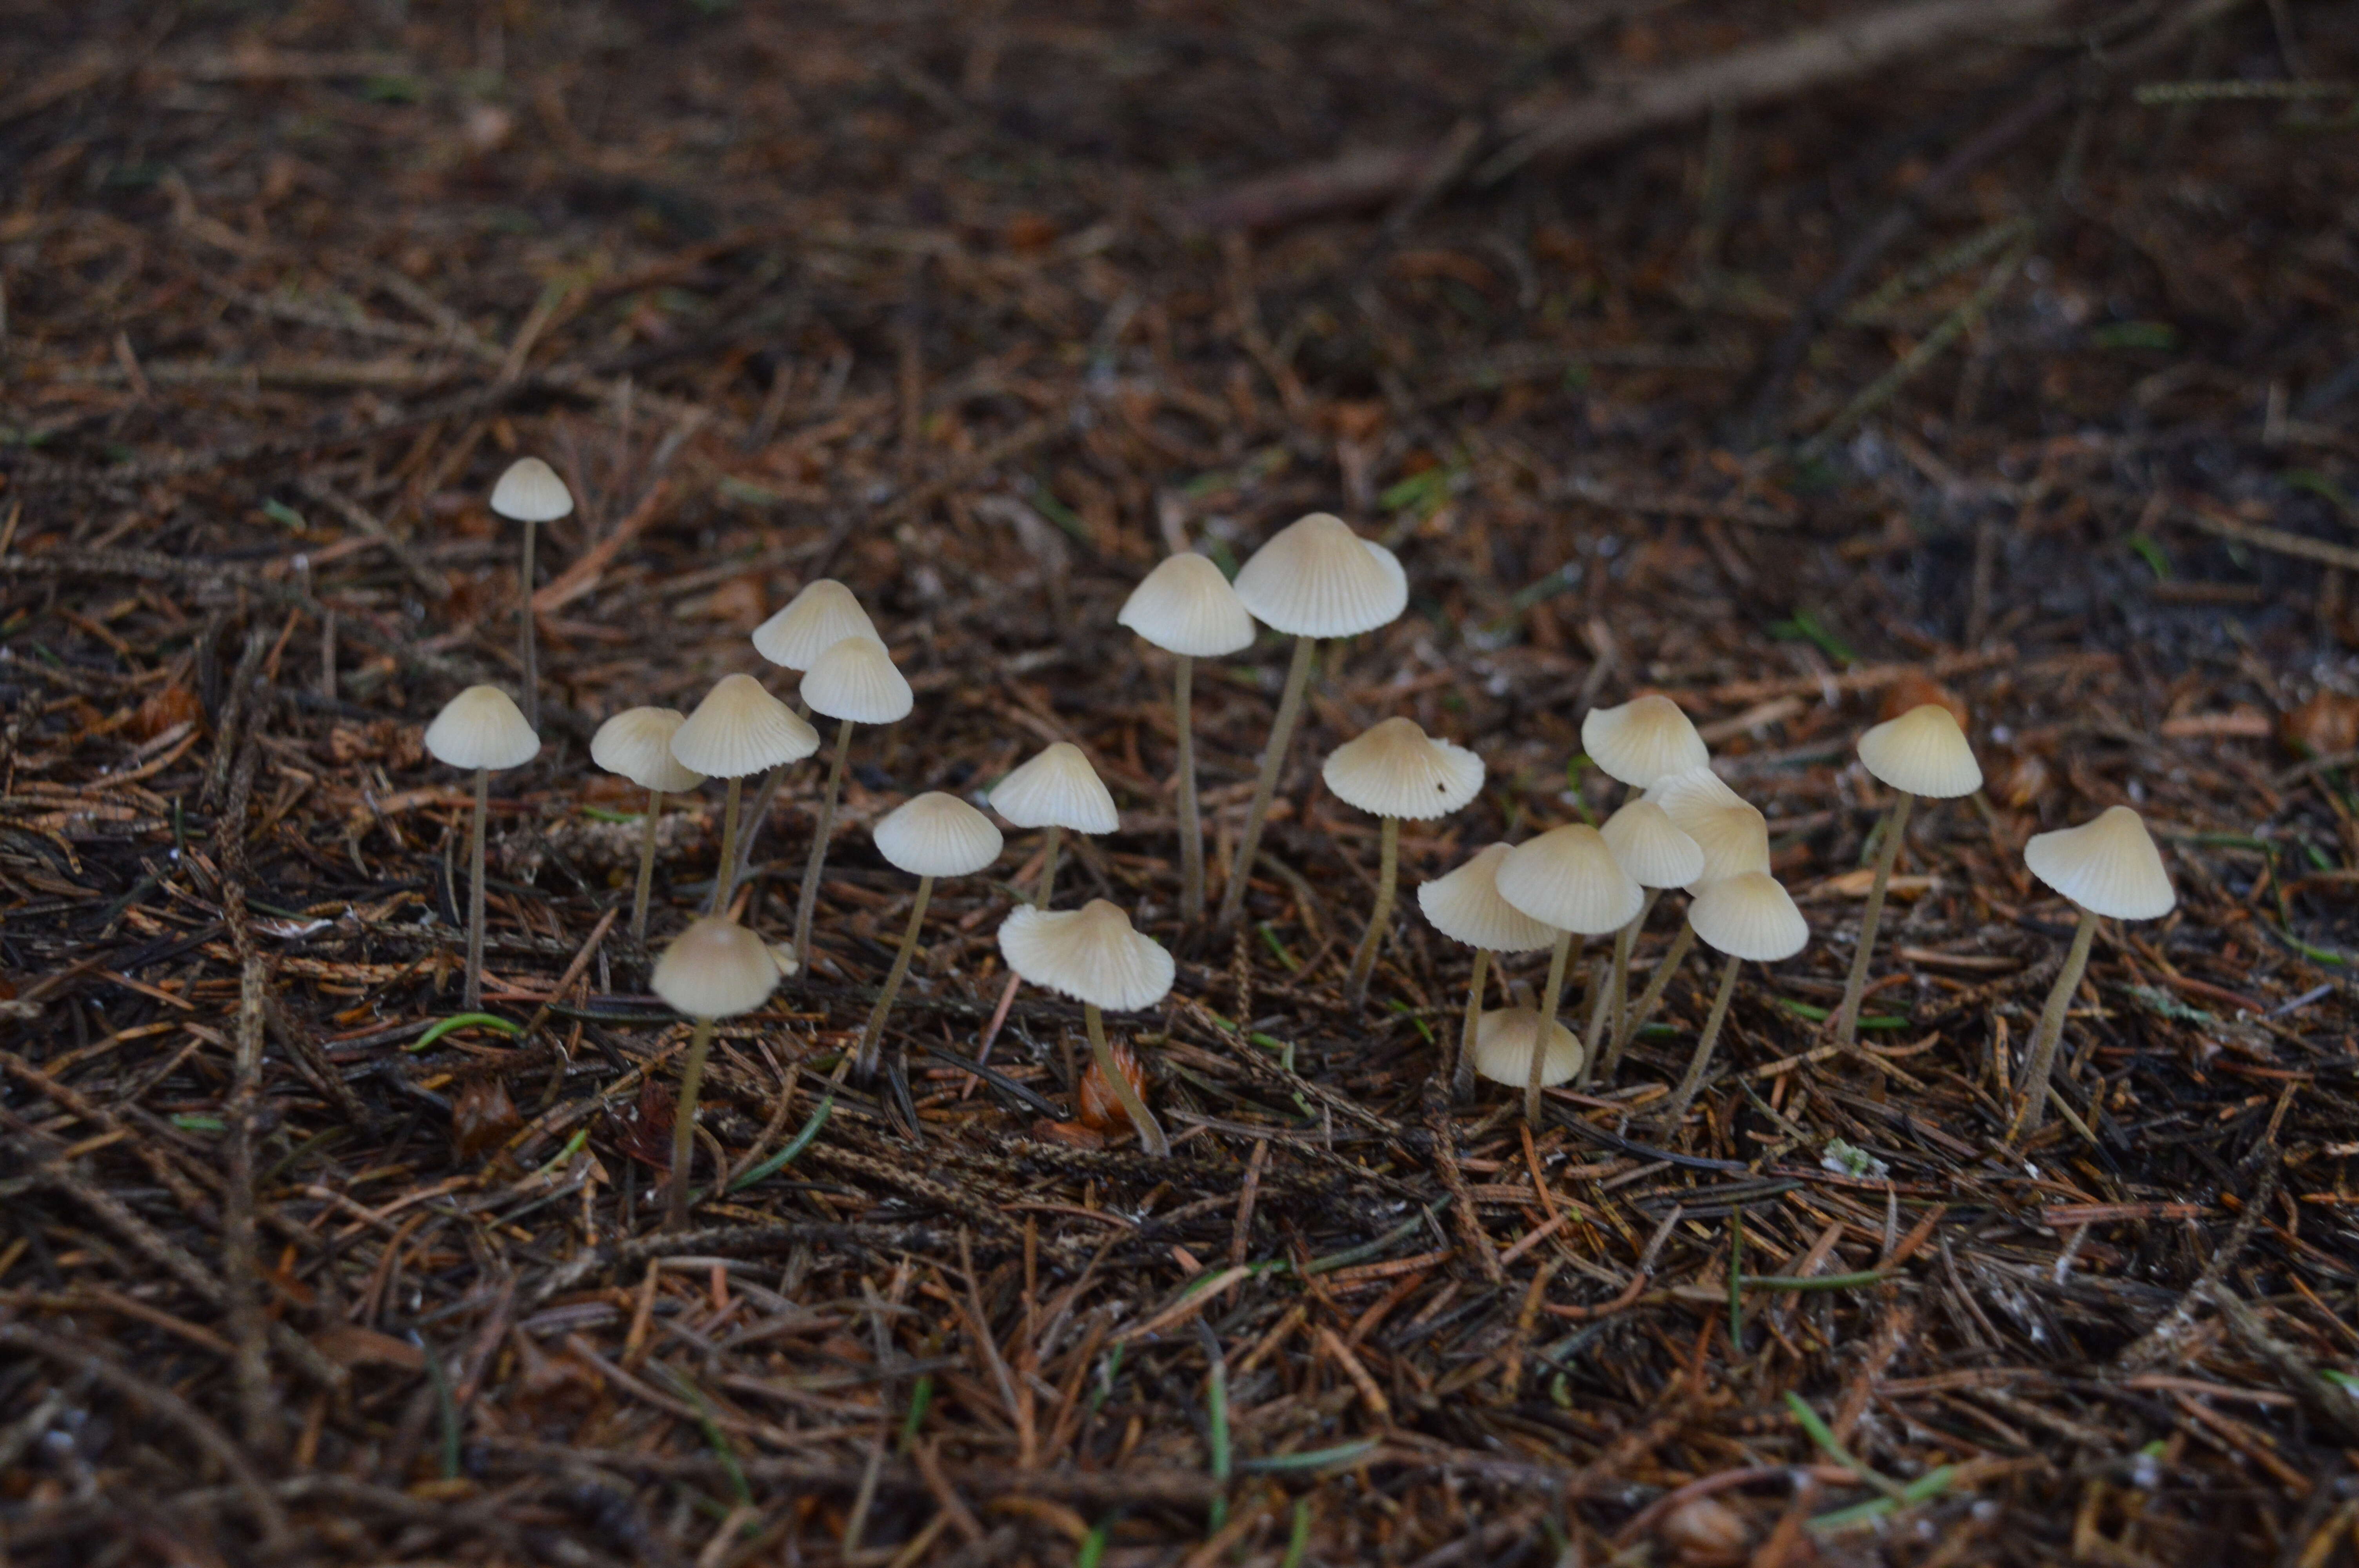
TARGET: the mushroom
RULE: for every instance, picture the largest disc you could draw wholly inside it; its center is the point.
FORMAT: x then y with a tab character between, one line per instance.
1055	790
636	744
1924	752
932	835
1565	878
716	969
1503	1053
1651	848
531	492
1093	955
737	730
480	729
1643	741
1465	907
1747	915
1733	837
2107	865
852	681
823	614
1186	607
1396	771
1314	578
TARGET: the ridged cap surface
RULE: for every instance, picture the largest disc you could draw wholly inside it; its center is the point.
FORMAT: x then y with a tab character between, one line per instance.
1057	789
716	969
1733	835
823	614
740	728
1749	916
1090	953
2108	865
1646	740
1465	907
856	679
637	744
1503	1048
1569	879
1398	770
1651	846
481	728
1186	606
530	491
1315	577
937	835
1924	752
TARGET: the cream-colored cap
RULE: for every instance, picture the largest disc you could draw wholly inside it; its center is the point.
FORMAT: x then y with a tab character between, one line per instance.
716	969
1749	916
823	614
1090	953
1465	907
937	835
481	728
530	491
1924	752
1186	606
1644	740
1503	1048
2109	866
856	679
1057	789
1395	769
1733	835
1651	846
1315	577
1568	878
740	728
637	744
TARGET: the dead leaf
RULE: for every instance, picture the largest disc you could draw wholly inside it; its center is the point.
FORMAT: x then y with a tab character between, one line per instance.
1099	1107
483	1116
646	1131
2020	781
1070	1133
350	1345
173	704
2325	726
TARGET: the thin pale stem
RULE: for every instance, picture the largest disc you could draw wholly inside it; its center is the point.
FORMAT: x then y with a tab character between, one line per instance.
757	812
1601	994
807	902
2042	1061
1558	958
872	1042
473	998
1617	1008
1273	760
1048	883
1685	1096
1364	957
1150	1131
647	866
723	879
683	1124
1656	983
1191	817
1895	827
531	648
1461	1080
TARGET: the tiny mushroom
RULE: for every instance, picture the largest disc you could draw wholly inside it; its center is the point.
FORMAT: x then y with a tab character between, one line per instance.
1186	607
714	969
1748	915
1567	878
1092	954
1465	907
1503	1049
1057	790
481	729
1396	771
1643	741
1733	837
636	744
932	835
739	729
853	682
823	614
1651	848
531	492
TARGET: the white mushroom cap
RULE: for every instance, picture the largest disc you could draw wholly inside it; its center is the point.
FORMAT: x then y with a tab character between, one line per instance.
823	614
481	728
1749	916
1569	879
1733	835
2109	866
1186	606
1090	953
1395	769
530	491
1646	740
1315	577
1924	752
637	744
1503	1048
856	679
716	969
1057	789
937	835
1651	846
740	728
1465	907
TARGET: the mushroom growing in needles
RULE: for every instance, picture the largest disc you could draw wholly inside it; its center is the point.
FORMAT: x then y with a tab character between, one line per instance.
1745	917
1396	771
852	683
716	969
1465	907
480	729
636	744
1057	790
933	835
1565	878
1092	954
1640	743
531	492
739	729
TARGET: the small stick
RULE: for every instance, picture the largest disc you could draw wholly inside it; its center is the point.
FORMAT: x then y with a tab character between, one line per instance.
807	903
1273	760
2042	1059
1558	958
472	998
1461	1079
1895	827
647	866
874	1039
1192	818
683	1124
1364	959
1686	1093
1150	1131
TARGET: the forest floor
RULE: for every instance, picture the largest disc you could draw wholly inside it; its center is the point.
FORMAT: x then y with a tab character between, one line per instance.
908	294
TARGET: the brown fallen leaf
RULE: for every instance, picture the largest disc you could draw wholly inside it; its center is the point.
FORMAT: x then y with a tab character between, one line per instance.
1098	1106
350	1345
483	1116
2326	725
173	704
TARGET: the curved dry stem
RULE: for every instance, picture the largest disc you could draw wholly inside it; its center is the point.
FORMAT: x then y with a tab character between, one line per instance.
647	866
1558	958
1364	957
1047	884
683	1124
807	901
1191	817
530	644
1150	1131
1686	1094
472	997
1652	996
872	1041
724	875
2041	1062
1273	760
1461	1077
1895	827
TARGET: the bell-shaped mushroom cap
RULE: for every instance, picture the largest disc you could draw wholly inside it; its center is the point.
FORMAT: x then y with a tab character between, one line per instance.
1186	606
1651	846
1057	789
2109	866
1503	1048
1568	878
740	728
716	969
937	835
1090	953
856	679
1465	907
823	614
1395	769
637	744
530	491
1924	752
1644	740
1315	577
481	728
1732	834
1749	916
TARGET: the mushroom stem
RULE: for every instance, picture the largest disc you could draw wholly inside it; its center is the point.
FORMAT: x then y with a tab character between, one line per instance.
2042	1059
683	1124
1191	819
531	652
807	902
1651	998
724	870
873	1041
472	998
1674	1112
1541	1038
647	865
1601	995
1617	1007
1895	827
1273	759
757	812
1462	1081
1150	1131
1364	957
1048	848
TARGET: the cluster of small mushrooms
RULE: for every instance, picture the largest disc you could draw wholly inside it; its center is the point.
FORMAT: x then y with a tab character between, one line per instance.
1681	828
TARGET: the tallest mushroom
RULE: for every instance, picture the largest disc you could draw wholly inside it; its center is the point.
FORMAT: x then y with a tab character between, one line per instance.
531	492
1314	578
